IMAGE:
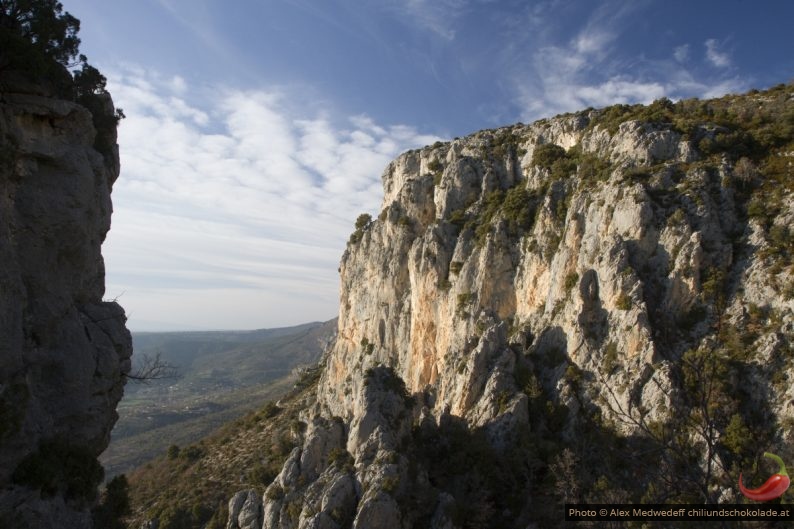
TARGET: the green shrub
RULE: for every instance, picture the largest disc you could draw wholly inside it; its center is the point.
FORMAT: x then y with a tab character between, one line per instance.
389	380
563	168
689	319
294	508
362	223
458	218
678	218
437	169
504	143
173	452
611	117
464	300
341	459
39	40
175	517
610	357
636	174
519	208
571	279
270	409
115	505
592	168
274	492
573	374
713	283
553	240
192	453
737	438
546	154
390	484
623	302
491	205
503	401
59	465
262	474
756	208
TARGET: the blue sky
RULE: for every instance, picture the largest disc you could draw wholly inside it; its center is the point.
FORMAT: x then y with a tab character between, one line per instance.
257	131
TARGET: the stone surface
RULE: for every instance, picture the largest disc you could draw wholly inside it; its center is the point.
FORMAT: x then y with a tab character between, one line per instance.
445	308
64	350
245	511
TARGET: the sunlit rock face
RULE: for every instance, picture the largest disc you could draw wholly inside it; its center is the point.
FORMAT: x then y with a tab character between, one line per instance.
64	352
442	288
523	284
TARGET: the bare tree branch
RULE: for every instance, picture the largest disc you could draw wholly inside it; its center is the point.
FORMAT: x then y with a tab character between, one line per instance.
153	368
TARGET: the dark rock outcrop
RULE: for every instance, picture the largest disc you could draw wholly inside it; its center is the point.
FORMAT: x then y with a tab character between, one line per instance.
64	352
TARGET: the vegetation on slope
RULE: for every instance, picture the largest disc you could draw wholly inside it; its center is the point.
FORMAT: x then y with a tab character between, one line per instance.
222	375
752	132
189	486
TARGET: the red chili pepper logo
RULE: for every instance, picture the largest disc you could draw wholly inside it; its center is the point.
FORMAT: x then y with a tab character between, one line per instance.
774	487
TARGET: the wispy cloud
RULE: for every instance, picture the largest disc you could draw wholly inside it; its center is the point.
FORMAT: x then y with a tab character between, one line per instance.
681	53
438	16
591	69
577	74
243	199
715	56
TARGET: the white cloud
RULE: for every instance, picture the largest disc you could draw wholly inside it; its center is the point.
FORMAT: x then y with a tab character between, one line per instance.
618	90
591	70
681	53
716	57
178	85
592	42
572	77
235	214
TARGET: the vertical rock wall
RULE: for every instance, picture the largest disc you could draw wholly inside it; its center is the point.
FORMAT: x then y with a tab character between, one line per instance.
524	285
64	352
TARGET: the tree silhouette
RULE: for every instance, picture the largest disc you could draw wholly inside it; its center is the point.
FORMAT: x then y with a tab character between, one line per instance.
37	36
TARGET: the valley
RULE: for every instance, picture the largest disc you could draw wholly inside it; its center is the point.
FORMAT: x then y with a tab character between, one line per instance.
221	375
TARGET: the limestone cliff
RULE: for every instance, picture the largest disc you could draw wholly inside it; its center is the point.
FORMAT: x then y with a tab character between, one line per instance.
64	352
538	306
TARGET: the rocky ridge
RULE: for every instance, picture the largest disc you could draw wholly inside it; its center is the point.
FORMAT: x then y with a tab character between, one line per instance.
64	351
537	301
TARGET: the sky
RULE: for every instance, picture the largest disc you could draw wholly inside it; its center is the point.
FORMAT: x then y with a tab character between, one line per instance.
256	131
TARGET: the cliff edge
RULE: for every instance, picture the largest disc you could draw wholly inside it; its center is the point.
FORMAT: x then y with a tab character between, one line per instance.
64	352
596	307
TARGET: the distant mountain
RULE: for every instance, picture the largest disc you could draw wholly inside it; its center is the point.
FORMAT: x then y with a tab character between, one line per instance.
231	358
222	375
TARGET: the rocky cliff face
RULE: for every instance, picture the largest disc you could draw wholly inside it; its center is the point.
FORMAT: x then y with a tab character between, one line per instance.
537	306
64	351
